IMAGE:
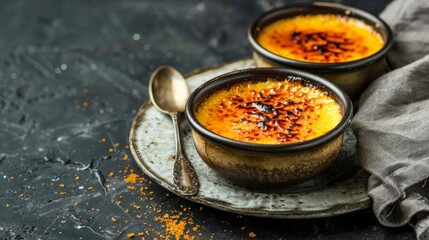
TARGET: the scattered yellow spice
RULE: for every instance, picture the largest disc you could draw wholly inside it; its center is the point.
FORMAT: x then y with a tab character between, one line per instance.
130	235
174	226
132	178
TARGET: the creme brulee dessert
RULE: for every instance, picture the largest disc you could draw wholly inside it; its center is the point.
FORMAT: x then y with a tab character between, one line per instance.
270	112
321	38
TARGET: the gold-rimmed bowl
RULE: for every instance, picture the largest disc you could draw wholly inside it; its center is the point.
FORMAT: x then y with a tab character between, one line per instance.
352	76
267	165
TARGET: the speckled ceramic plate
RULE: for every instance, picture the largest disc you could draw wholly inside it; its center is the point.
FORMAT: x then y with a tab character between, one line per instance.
340	189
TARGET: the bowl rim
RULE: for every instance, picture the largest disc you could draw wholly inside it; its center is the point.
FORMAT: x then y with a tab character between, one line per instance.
237	76
321	67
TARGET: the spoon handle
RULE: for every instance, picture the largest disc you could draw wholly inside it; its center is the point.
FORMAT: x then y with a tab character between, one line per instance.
184	175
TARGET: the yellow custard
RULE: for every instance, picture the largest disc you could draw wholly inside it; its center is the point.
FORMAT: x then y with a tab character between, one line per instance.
270	112
321	38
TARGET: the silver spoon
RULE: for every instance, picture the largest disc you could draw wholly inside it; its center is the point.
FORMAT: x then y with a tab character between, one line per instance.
168	92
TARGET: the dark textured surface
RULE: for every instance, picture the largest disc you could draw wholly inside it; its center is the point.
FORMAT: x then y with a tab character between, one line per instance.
72	75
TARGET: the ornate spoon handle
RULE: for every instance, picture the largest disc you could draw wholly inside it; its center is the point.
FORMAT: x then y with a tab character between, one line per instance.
184	175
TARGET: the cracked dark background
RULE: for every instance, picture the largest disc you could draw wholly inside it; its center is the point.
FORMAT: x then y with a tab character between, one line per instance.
73	74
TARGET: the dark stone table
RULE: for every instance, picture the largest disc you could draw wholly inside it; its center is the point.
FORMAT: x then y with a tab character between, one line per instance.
72	75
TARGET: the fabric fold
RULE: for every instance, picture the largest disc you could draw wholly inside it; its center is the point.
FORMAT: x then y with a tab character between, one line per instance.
392	123
393	143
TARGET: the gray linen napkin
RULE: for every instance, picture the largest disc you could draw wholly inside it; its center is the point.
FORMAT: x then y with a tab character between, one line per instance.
392	123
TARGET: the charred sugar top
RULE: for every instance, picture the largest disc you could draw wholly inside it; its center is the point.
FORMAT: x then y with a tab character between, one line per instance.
270	112
321	38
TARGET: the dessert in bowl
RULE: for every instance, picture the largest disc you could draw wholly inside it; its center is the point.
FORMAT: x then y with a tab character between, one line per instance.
268	127
343	44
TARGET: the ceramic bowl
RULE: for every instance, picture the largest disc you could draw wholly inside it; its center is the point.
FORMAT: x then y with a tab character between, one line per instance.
266	165
353	76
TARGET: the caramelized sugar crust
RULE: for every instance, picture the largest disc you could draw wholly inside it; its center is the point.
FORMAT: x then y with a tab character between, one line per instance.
321	38
270	112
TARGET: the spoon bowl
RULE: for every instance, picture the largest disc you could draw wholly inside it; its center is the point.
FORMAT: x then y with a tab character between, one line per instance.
169	92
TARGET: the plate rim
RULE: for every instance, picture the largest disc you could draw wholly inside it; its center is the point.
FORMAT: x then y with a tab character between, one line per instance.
335	210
